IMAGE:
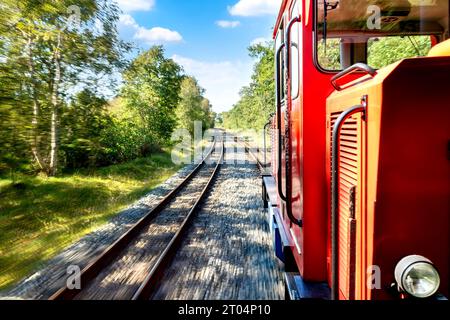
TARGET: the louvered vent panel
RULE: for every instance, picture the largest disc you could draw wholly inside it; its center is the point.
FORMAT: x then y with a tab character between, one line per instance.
349	164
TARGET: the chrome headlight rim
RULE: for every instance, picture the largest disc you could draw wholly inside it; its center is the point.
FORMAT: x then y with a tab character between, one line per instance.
406	265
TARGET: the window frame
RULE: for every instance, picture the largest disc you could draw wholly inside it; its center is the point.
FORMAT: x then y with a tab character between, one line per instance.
437	36
281	86
295	5
315	40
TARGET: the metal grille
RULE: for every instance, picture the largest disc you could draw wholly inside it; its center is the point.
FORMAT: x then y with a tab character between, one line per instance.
349	168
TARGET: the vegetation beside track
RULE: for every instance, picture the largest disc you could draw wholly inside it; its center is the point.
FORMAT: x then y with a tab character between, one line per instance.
76	144
40	216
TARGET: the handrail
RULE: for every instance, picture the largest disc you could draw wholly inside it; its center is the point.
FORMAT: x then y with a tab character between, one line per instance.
288	147
291	23
278	101
335	172
356	67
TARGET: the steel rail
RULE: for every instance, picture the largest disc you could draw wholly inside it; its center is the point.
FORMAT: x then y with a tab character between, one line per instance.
260	165
153	280
268	124
248	149
101	262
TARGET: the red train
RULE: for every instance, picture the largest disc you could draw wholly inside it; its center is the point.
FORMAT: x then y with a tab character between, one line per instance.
359	188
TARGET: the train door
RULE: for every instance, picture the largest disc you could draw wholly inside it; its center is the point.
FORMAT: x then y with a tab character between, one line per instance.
295	109
281	108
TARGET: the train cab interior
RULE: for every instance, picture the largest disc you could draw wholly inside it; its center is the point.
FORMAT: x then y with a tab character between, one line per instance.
350	31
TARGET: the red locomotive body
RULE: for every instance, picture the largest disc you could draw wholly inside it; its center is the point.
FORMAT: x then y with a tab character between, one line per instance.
360	186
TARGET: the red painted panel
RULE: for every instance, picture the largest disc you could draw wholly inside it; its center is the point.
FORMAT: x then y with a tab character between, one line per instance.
403	174
308	143
412	209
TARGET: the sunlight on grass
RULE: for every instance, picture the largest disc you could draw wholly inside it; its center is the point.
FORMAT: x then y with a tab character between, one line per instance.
41	216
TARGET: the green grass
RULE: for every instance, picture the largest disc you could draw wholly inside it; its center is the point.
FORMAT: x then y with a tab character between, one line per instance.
40	216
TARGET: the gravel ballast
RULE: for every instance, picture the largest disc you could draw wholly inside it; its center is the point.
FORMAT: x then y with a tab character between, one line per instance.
44	283
227	254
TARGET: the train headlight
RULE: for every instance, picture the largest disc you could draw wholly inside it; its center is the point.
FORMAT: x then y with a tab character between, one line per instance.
417	276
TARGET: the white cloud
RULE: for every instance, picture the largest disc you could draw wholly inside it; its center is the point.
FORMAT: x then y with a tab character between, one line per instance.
259	41
136	5
249	8
222	80
156	35
127	20
228	24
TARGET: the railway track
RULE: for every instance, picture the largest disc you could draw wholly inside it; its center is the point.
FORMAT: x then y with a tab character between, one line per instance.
250	150
130	268
224	255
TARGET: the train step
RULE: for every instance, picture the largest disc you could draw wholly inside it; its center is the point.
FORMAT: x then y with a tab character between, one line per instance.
298	289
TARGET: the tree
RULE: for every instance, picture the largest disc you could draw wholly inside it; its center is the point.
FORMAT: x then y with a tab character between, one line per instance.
194	106
386	50
381	51
263	82
257	99
84	121
219	119
151	89
329	54
190	108
208	115
56	47
14	99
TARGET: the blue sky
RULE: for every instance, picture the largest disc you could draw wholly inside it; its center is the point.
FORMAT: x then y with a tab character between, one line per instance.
209	38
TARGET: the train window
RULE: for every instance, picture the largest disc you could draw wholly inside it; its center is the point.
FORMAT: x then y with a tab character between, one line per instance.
376	32
281	70
387	50
295	58
329	54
